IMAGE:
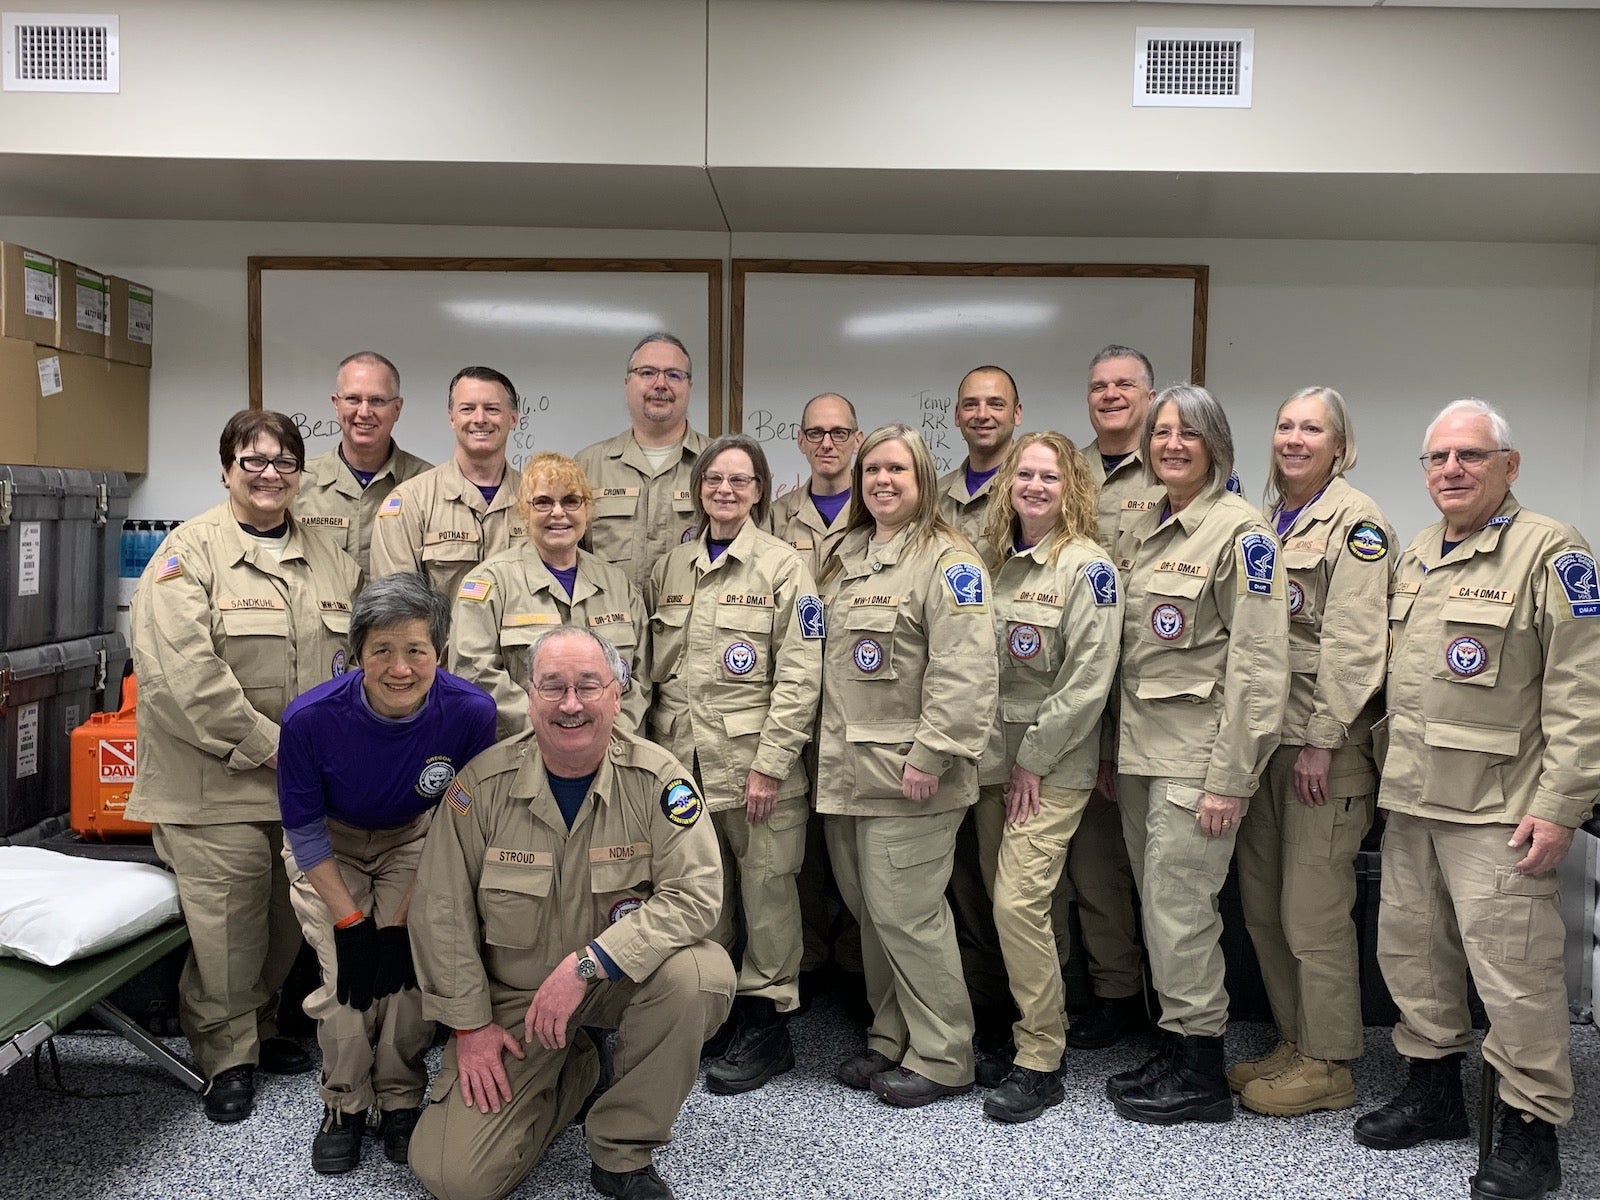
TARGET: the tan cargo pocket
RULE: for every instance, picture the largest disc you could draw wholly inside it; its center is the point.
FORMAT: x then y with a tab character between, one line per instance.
869	639
878	751
669	635
511	899
1527	917
1032	642
936	846
1171	602
257	645
1474	641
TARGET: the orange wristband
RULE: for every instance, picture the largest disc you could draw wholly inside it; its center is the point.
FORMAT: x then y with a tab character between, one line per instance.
354	918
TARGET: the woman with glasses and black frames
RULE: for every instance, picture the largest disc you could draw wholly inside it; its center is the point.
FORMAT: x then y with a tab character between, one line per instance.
736	638
1205	674
240	610
512	597
908	697
1297	846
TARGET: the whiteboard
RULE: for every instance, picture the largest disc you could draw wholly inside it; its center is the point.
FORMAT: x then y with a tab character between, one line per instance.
897	343
561	331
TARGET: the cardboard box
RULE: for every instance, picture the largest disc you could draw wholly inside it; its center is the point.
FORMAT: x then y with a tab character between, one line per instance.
81	296
130	332
72	410
27	294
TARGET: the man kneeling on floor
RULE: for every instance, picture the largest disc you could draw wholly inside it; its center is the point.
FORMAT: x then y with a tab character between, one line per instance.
568	882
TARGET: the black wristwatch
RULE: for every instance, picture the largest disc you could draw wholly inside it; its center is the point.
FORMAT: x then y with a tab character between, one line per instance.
588	969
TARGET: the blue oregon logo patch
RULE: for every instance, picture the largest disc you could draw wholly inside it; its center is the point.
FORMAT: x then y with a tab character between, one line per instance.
813	624
966	583
680	803
1102	579
1467	656
739	658
436	775
1576	570
1260	554
1367	542
868	655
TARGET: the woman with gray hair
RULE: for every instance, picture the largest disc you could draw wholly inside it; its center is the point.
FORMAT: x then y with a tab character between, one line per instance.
737	666
1205	672
363	760
1297	846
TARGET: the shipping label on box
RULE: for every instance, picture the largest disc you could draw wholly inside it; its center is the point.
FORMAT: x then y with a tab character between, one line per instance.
50	375
30	538
30	289
92	295
38	285
28	740
141	315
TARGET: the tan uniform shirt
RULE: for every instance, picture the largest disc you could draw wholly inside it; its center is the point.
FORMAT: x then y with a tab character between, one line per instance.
967	511
1124	497
1205	646
909	675
796	520
505	890
1494	675
737	662
332	498
224	636
638	516
1059	628
1339	556
508	601
438	523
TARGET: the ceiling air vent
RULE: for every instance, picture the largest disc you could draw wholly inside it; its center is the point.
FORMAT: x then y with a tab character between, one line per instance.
1192	68
60	52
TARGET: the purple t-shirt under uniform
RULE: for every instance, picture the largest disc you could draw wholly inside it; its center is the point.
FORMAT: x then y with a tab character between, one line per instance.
337	758
829	507
976	479
567	577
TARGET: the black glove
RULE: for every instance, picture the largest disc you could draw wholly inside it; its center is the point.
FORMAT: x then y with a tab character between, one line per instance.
396	971
356	948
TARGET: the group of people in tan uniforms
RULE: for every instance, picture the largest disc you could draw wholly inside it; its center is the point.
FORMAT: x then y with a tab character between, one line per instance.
1050	673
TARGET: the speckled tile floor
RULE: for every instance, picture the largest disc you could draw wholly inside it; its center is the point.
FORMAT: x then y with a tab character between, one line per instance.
135	1134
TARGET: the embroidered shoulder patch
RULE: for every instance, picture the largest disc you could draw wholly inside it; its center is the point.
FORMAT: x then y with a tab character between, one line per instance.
1258	554
172	568
1234	485
1367	542
965	581
458	797
813	624
1576	570
680	803
1102	582
475	589
390	506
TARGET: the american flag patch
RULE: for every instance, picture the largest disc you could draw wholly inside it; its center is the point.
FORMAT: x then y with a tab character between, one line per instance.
170	569
474	589
459	798
390	506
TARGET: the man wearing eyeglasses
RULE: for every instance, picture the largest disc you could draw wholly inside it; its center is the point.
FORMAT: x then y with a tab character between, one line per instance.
1493	759
566	883
812	517
340	491
643	505
447	520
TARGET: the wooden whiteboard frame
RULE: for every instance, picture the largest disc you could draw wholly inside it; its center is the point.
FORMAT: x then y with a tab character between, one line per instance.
711	268
1200	276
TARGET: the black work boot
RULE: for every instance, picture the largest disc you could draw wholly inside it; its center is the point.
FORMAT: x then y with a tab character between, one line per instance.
992	1051
1023	1095
395	1127
1430	1107
1108	1022
337	1146
1149	1069
759	1050
1193	1088
1526	1163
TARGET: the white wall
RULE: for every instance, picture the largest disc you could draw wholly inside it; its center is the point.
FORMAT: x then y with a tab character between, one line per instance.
1400	328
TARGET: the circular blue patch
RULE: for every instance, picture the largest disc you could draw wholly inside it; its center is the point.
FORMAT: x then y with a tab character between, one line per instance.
627	675
1467	656
1167	621
623	907
868	655
680	803
1297	597
1025	641
435	777
739	658
688	535
341	662
1367	542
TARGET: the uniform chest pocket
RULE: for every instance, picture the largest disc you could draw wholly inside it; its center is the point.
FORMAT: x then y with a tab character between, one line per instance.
1474	641
511	900
669	631
1304	568
449	546
616	506
623	874
744	639
257	645
1032	637
869	639
1171	604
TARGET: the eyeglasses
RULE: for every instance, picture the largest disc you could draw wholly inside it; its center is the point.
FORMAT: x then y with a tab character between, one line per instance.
587	690
837	436
547	504
375	403
254	464
737	482
650	374
1437	460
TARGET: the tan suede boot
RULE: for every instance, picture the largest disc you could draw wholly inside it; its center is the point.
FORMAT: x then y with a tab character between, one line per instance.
1242	1073
1304	1085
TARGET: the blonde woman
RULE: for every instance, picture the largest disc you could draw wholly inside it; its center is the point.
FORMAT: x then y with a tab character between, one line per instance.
908	695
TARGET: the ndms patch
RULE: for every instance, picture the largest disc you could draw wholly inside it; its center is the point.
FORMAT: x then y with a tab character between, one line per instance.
1576	571
680	803
965	581
813	622
1102	578
1258	559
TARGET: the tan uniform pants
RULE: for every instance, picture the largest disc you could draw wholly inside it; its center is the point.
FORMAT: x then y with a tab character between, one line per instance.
1179	871
460	1153
1102	878
1453	902
762	861
982	964
1297	882
892	872
1024	871
375	1057
242	936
